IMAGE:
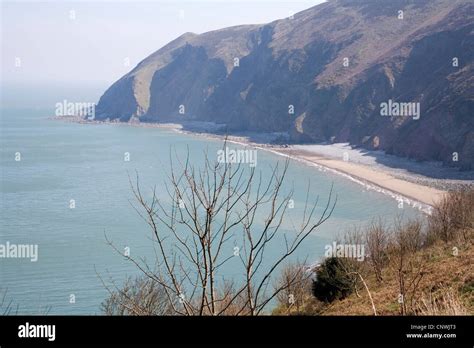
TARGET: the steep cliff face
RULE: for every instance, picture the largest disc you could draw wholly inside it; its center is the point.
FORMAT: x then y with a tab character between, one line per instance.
322	76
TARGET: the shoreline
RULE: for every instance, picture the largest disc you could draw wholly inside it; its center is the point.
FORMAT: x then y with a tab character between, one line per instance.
402	187
418	196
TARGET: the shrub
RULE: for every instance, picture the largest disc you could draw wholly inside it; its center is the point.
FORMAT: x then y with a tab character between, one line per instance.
295	284
453	216
137	296
406	240
376	240
333	281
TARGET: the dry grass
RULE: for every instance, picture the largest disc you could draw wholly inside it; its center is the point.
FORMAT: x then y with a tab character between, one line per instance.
434	270
444	302
442	270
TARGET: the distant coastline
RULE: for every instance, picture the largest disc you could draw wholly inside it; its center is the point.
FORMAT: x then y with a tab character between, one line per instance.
416	190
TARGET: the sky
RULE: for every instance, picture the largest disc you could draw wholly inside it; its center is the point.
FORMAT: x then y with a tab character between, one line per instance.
96	42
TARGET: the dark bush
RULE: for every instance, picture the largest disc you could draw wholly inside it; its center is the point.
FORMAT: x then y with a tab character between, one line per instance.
333	280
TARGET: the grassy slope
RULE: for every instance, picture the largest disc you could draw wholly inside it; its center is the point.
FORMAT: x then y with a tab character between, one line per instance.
442	270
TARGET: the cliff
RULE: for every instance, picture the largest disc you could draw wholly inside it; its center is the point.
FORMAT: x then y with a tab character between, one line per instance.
322	76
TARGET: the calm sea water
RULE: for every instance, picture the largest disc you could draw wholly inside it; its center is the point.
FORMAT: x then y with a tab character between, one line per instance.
63	161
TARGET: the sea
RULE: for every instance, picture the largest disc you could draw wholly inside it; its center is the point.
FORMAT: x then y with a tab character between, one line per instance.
65	188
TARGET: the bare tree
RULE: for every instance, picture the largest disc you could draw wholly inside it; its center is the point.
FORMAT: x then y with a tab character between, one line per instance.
376	241
453	216
137	296
215	214
295	282
409	265
355	270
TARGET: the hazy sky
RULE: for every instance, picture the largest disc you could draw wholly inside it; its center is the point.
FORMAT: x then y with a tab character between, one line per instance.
99	41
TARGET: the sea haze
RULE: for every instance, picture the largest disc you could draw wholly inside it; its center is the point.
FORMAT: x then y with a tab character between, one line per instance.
61	161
